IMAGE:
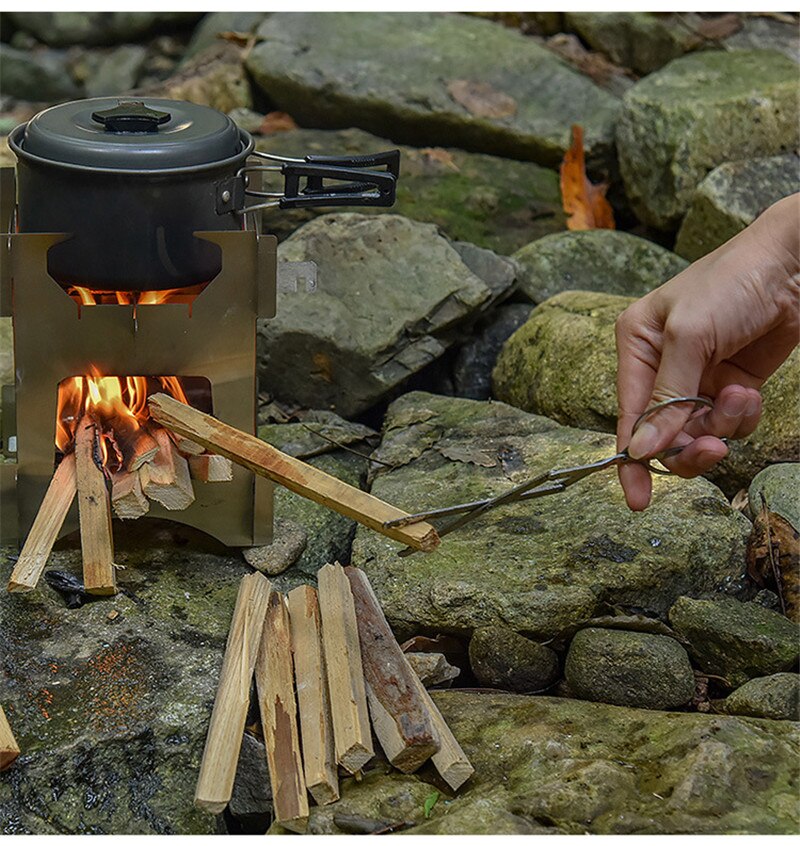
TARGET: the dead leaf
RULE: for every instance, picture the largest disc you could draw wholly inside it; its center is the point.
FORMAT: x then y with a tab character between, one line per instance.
596	66
584	203
323	366
481	99
451	647
741	502
240	38
275	122
467	455
439	156
718	27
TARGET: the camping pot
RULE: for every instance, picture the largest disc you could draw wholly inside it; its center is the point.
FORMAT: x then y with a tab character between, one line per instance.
130	182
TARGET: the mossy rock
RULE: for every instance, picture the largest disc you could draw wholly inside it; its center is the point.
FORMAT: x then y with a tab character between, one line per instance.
774	697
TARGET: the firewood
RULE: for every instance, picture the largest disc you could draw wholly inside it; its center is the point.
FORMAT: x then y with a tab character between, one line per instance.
316	727
226	729
351	732
276	702
127	497
44	532
9	750
136	445
186	446
94	510
166	478
401	718
302	478
210	468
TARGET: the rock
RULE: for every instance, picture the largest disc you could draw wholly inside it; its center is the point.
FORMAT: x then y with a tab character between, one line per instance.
473	365
247	119
764	33
698	112
562	362
288	544
539	567
457	81
600	260
772	697
392	294
562	766
63	29
501	658
112	715
731	197
215	23
251	800
118	71
39	75
780	486
629	668
736	640
492	202
432	668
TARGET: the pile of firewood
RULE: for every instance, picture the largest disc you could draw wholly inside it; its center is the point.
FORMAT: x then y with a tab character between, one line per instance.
328	673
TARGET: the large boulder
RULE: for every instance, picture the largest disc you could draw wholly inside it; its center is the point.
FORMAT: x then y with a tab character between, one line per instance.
539	566
39	75
492	202
601	260
766	33
392	295
698	112
117	71
562	766
215	24
453	80
731	197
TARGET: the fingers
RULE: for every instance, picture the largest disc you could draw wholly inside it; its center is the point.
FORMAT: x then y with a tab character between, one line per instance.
735	414
697	457
636	484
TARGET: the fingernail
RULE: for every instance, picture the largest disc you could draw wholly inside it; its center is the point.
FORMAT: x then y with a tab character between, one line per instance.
736	405
644	441
753	404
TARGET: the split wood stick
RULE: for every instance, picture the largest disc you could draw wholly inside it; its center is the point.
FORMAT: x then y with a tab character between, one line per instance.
292	473
136	445
276	702
166	478
9	750
127	497
186	446
401	718
94	510
351	732
210	468
44	532
226	729
316	727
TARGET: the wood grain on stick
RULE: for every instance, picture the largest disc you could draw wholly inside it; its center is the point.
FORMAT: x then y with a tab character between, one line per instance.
402	719
316	726
225	731
44	532
166	478
9	749
349	714
302	478
276	701
127	497
210	468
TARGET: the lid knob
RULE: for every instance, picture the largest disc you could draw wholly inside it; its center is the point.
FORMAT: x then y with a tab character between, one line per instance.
131	116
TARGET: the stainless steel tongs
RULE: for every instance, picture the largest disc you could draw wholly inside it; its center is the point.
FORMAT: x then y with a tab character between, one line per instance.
549	482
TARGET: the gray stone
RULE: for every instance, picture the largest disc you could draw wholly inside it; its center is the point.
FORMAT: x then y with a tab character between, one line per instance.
629	668
288	544
495	203
731	197
111	714
696	113
772	697
559	766
454	80
214	23
765	33
392	295
736	640
118	71
40	75
251	799
780	486
501	658
601	260
432	668
538	566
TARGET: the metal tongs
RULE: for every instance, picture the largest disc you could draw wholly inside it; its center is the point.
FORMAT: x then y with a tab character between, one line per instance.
550	482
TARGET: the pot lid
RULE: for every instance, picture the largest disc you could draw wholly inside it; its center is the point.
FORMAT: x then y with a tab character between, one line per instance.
128	134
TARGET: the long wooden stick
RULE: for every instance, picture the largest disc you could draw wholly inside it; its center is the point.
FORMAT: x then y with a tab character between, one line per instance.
351	732
94	510
46	526
302	478
316	727
9	749
275	685
402	719
225	731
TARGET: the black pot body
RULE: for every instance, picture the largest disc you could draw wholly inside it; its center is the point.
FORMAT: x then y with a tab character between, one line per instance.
130	230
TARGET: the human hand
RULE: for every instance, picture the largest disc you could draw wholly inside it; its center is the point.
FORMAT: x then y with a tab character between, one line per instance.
720	328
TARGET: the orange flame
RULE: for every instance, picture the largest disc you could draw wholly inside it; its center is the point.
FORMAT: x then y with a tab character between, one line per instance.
88	297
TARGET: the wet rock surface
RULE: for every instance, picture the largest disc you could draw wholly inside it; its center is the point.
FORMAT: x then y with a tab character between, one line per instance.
698	112
629	668
501	658
774	697
543	565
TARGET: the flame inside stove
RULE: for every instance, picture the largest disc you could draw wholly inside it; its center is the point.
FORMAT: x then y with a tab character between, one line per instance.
88	297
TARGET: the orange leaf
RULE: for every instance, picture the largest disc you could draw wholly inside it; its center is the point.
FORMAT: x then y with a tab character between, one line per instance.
584	203
276	122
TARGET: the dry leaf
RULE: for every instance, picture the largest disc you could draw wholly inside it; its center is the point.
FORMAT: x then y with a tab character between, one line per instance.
594	65
718	27
481	99
584	203
741	502
466	455
240	38
323	366
439	156
275	122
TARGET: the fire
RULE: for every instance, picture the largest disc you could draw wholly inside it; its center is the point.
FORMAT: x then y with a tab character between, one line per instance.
88	297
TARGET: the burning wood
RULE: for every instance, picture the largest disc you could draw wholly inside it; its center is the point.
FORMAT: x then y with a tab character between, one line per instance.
166	478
